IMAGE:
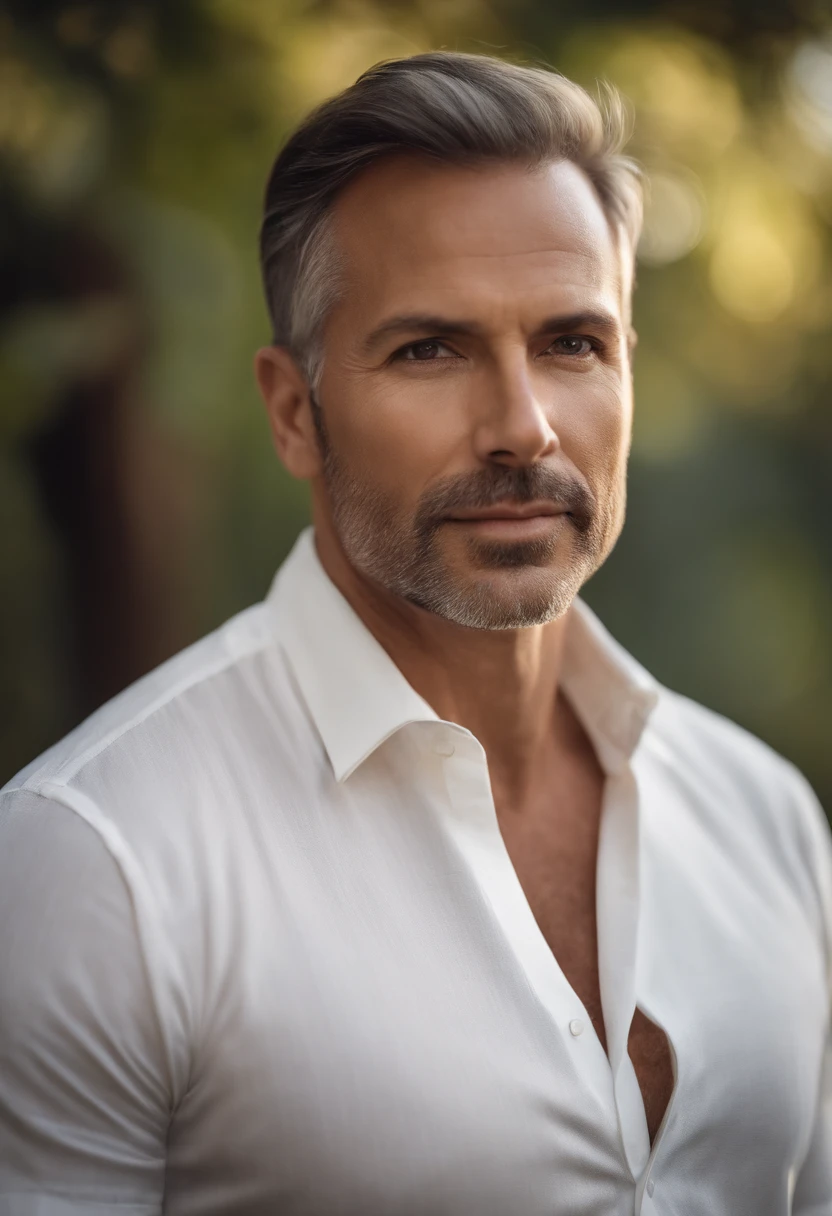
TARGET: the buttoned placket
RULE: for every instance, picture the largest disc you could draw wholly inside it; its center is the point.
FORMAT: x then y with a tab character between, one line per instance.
610	1074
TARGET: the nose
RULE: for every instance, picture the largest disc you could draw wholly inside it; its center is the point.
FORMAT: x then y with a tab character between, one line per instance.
515	428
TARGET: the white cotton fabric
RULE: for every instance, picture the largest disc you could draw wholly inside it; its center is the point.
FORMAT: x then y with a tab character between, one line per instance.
262	950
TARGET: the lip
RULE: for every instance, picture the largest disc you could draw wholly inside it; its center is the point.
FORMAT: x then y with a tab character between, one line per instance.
530	510
510	528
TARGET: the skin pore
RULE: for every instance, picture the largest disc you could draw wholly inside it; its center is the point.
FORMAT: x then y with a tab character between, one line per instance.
477	359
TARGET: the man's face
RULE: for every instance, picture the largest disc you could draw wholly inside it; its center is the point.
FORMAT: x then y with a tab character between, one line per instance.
475	402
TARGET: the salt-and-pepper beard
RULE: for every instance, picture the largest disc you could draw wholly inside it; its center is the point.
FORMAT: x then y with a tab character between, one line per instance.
403	556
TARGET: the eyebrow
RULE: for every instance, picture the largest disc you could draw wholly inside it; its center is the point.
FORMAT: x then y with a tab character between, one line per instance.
435	326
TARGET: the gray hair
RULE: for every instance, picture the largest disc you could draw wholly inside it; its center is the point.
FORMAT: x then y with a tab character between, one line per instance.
461	109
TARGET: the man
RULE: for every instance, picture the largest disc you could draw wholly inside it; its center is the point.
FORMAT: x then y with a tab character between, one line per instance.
408	891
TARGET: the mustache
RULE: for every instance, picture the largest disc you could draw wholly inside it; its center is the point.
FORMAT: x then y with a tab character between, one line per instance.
499	484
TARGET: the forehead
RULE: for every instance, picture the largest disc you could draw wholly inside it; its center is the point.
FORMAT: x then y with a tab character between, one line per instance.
421	234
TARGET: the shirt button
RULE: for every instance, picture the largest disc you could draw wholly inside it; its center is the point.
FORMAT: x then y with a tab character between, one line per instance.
651	1186
445	749
576	1027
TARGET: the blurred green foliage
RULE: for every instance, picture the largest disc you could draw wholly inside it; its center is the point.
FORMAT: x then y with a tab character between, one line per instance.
140	499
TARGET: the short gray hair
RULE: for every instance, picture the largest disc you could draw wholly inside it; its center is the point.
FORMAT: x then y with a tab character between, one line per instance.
461	109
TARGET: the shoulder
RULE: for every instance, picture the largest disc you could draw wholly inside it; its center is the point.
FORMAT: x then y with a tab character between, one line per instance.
693	733
179	757
752	802
147	799
723	756
189	676
213	708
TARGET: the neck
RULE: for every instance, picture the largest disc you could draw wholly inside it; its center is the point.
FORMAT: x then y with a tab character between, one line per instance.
502	685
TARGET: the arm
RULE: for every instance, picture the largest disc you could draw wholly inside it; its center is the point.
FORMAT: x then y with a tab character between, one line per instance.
84	1092
813	1183
813	1189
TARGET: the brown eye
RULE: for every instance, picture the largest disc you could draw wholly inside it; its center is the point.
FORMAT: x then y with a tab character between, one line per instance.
425	351
572	344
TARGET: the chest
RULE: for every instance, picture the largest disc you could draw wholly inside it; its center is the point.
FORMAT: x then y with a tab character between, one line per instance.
368	1041
552	842
554	849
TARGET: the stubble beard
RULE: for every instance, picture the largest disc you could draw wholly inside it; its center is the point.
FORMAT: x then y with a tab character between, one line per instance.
405	556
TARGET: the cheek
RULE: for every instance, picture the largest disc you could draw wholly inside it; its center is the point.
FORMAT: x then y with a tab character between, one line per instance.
594	430
394	437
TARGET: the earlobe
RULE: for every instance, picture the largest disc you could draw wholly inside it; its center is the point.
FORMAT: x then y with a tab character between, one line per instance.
285	393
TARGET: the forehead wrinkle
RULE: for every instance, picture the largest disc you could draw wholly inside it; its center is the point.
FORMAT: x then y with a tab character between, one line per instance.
419	253
469	290
484	272
517	256
558	232
413	248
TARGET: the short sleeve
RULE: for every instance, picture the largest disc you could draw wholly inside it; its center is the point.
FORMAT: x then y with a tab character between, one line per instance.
84	1097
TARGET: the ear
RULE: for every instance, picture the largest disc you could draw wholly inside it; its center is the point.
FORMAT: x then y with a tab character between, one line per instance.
285	393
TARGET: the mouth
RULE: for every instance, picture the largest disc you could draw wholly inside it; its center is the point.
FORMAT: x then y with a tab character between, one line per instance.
506	510
511	522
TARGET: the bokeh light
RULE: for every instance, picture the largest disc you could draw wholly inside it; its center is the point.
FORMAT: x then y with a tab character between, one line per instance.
141	499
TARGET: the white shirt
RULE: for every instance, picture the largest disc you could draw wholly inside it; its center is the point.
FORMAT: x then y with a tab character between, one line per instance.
262	950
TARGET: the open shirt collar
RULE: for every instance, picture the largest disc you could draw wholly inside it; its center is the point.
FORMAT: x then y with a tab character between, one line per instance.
357	696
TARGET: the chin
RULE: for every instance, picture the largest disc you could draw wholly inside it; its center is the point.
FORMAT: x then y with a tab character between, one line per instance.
507	599
542	553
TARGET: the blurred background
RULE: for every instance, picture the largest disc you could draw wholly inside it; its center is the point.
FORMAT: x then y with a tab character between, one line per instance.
140	499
